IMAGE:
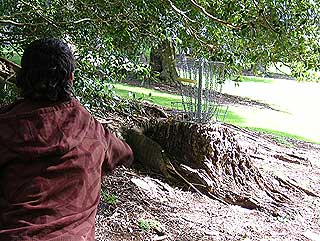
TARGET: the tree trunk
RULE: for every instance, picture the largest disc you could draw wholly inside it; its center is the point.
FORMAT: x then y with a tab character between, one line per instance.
210	160
162	61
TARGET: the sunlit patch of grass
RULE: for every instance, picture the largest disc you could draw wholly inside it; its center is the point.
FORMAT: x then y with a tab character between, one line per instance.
167	100
233	118
149	95
256	79
230	116
280	136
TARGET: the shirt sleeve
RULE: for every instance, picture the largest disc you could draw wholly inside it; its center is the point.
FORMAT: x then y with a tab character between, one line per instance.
118	153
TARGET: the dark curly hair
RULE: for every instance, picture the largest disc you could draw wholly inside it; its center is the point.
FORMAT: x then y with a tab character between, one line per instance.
47	66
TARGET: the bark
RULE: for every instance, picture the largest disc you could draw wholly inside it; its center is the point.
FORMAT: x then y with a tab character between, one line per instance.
162	61
210	158
217	160
8	71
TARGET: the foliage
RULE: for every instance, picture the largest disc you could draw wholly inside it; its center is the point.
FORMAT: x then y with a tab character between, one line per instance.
109	37
240	33
109	199
8	93
99	95
148	224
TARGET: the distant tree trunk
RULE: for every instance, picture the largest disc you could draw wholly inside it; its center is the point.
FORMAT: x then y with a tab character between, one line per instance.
162	60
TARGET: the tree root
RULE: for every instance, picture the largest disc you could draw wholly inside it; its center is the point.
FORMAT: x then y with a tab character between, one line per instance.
208	158
290	184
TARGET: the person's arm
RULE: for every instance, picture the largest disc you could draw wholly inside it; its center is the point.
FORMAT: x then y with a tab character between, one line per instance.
118	153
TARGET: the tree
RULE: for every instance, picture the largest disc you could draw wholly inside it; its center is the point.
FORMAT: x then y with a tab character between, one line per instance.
238	32
108	35
162	61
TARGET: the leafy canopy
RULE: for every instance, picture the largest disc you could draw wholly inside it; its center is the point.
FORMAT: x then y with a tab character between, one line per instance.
241	33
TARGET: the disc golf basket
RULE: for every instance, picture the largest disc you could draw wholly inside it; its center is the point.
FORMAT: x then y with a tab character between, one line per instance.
201	84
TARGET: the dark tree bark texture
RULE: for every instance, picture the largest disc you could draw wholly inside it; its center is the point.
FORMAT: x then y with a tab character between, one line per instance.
162	61
209	159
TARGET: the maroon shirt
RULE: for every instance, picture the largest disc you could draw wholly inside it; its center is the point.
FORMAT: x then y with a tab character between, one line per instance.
51	158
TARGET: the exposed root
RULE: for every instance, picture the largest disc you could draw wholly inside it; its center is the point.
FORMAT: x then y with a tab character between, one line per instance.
290	184
209	160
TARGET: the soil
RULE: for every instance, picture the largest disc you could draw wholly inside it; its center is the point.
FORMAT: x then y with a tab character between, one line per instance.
146	207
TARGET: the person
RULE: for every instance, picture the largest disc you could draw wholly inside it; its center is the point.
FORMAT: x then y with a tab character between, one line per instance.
52	152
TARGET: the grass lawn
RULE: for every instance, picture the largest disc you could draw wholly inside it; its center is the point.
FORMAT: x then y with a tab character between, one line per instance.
164	99
279	135
284	123
149	95
297	101
256	79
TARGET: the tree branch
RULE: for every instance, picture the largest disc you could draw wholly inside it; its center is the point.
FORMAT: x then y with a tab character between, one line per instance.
265	19
180	12
186	21
204	11
11	22
38	11
82	20
192	32
7	81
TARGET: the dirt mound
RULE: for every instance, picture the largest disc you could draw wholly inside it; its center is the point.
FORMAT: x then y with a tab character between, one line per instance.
208	159
144	205
144	197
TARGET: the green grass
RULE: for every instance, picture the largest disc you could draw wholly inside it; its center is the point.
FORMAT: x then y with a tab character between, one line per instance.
149	95
297	100
280	136
234	116
148	224
256	79
165	100
109	199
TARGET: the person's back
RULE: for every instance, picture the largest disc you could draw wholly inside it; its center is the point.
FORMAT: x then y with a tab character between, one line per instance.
51	153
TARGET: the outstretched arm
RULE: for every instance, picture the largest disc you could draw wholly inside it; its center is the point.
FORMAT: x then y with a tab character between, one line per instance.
118	153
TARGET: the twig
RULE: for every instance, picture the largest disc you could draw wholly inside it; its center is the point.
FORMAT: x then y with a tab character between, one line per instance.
38	11
204	11
11	22
82	20
13	66
185	180
191	30
265	18
180	12
7	80
194	188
